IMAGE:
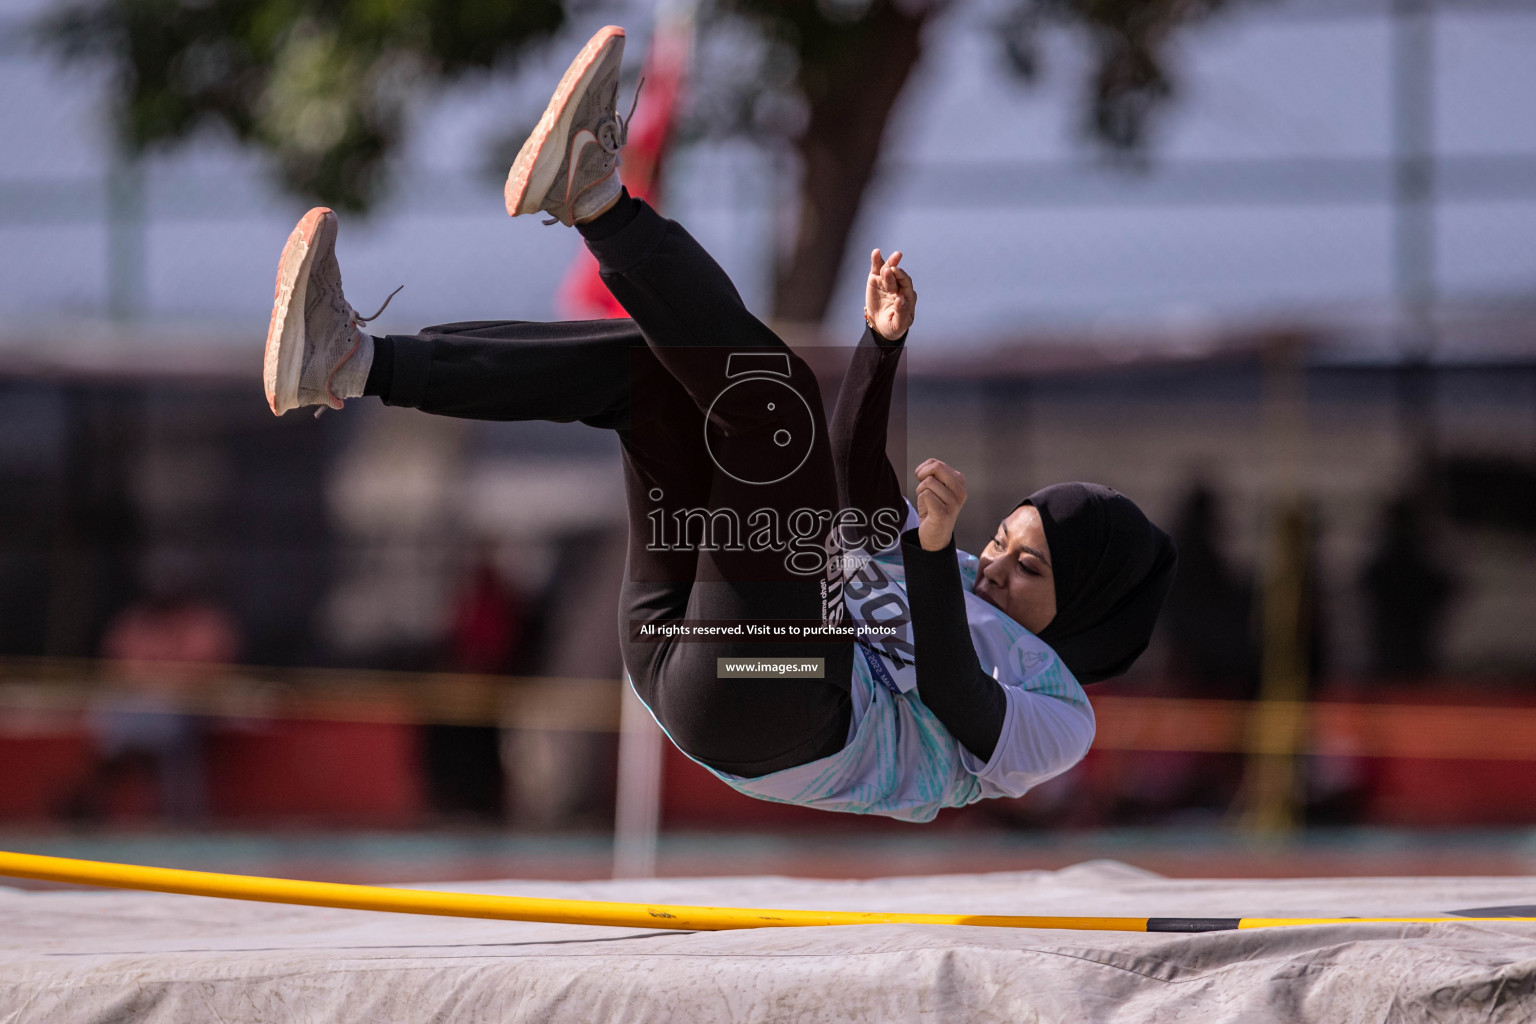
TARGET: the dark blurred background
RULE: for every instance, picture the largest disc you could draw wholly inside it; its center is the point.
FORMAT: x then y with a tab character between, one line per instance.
1266	266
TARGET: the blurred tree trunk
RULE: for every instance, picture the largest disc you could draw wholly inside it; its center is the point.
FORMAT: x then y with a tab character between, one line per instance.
851	96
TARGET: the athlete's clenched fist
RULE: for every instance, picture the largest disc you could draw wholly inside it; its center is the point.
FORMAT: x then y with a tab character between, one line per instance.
940	496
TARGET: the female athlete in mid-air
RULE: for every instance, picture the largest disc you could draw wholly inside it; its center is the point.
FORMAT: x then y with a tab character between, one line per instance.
789	619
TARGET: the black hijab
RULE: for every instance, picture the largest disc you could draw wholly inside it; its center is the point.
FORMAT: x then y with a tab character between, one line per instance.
1113	570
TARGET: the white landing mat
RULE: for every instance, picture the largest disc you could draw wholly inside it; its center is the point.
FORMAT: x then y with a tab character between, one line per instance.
120	957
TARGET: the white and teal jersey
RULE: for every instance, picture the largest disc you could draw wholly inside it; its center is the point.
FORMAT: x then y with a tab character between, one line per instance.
899	760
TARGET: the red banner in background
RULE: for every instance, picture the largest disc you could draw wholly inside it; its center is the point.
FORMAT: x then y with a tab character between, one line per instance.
582	295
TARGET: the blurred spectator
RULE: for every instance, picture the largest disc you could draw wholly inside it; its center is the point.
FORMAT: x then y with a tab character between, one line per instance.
462	763
1212	654
565	778
1315	624
487	622
1209	615
1406	594
163	650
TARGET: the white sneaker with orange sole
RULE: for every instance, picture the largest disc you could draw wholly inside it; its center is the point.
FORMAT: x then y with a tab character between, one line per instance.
569	166
316	354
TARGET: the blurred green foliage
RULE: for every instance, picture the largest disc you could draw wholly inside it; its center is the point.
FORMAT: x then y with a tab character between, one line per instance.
323	85
1130	42
823	76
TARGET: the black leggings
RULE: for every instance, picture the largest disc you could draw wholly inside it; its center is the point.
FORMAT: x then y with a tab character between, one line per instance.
652	379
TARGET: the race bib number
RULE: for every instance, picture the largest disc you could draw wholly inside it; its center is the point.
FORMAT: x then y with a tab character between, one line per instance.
875	600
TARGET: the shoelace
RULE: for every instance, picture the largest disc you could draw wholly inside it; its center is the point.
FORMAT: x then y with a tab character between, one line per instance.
353	321
623	134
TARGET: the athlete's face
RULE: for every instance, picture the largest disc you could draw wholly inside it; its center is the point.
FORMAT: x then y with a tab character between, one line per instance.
1015	571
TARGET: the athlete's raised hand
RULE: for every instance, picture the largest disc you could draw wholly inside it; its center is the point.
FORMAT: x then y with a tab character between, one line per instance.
940	495
890	301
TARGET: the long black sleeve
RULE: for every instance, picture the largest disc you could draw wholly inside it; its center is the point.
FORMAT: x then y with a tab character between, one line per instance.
950	681
969	703
865	478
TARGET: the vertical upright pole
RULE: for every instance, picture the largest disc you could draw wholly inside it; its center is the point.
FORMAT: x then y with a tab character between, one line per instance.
1413	223
1006	429
126	246
1271	782
637	814
637	811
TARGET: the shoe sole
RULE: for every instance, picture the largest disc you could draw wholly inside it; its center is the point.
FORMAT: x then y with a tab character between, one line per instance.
531	172
283	359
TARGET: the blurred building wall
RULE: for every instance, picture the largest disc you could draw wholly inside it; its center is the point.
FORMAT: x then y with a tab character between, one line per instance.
339	541
1153	433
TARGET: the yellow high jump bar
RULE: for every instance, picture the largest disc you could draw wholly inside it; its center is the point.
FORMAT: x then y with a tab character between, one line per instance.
594	912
